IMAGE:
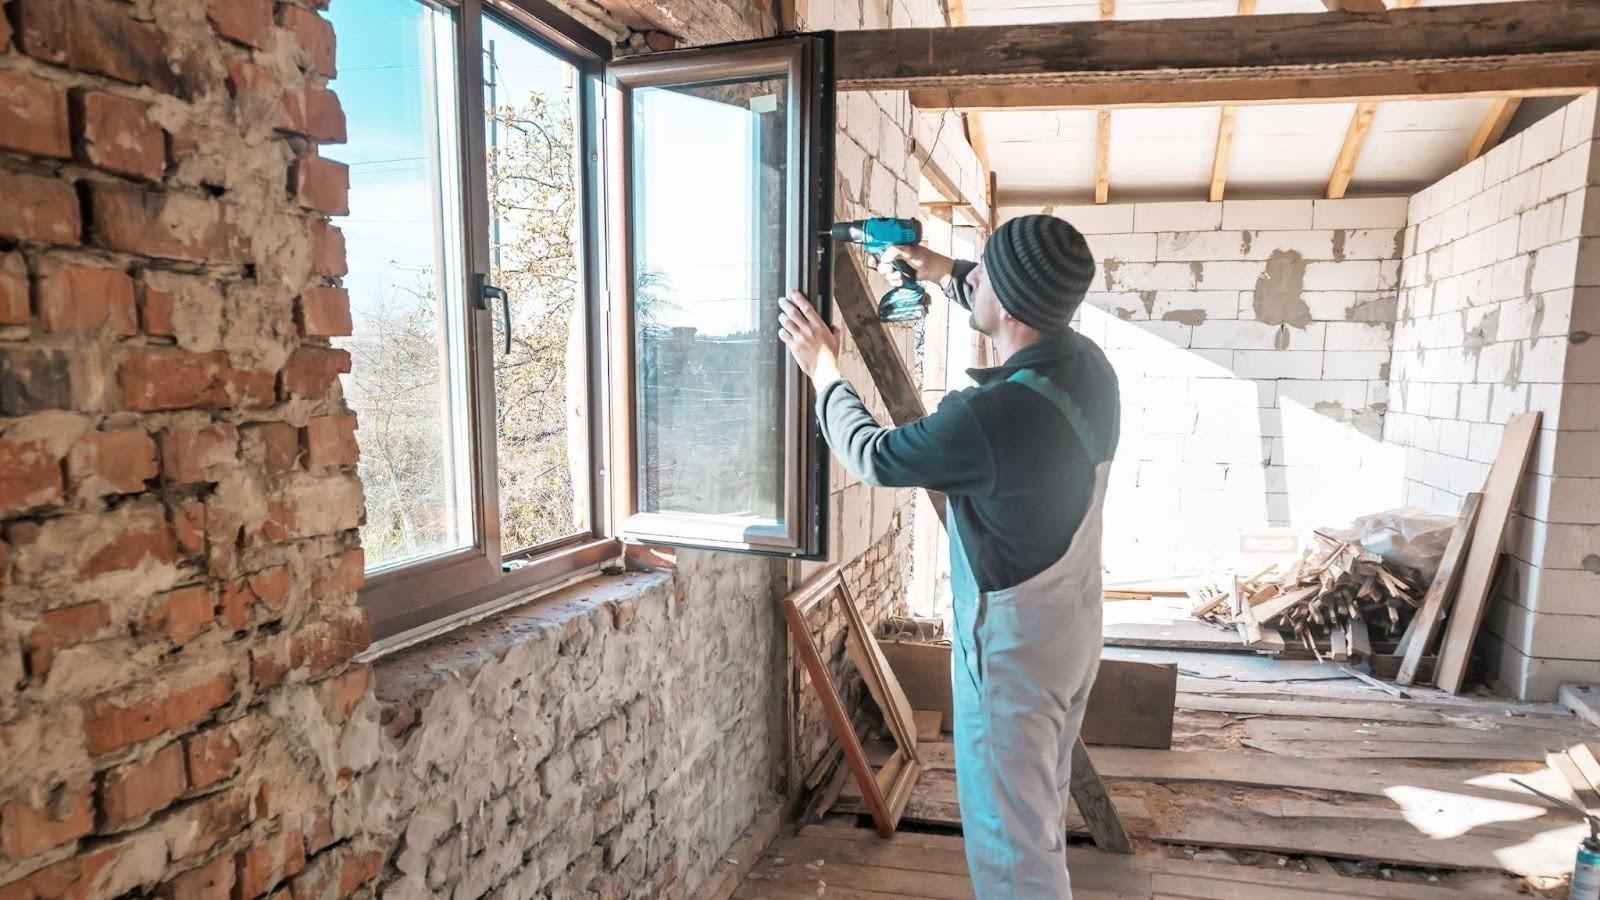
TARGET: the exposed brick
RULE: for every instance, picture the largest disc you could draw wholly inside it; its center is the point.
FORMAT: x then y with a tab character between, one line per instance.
191	455
189	525
33	116
280	443
237	598
322	184
347	576
245	21
323	312
30	475
311	371
160	378
312	110
181	614
206	823
327	250
112	462
143	538
315	36
26	830
263	866
112	724
155	311
116	134
324	115
212	881
140	788
86	298
72	878
43	210
95	37
61	628
271	585
212	755
14	304
349	688
331	441
319	829
163	224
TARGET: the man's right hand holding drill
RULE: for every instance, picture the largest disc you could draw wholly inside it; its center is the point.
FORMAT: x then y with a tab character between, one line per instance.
930	266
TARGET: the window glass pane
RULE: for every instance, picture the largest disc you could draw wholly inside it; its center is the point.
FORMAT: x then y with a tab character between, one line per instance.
408	381
709	233
535	209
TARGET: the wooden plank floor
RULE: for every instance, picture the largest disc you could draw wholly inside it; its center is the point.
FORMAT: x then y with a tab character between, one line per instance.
855	864
1362	778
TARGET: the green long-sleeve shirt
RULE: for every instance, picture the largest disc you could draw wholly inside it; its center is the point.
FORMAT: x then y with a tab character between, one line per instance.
1018	478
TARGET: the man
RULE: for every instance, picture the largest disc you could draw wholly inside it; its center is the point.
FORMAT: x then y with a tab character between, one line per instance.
1023	457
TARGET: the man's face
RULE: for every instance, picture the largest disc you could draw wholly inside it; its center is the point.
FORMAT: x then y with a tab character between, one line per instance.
986	309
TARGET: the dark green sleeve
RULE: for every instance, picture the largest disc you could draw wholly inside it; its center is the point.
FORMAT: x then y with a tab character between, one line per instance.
944	451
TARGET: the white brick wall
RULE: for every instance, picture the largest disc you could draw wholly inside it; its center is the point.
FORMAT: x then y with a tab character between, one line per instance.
1489	308
1231	423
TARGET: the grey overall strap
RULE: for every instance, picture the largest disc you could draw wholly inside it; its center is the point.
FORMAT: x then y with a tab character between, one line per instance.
1061	400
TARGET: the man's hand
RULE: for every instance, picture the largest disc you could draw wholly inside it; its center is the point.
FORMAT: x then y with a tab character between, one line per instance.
930	266
813	344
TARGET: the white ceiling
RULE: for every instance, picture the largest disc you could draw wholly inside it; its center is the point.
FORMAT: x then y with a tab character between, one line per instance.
1286	150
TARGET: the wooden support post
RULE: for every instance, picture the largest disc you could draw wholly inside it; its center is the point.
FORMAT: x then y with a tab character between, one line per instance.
853	298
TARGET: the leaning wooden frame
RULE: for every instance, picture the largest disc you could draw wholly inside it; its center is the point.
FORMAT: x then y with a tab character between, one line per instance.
887	789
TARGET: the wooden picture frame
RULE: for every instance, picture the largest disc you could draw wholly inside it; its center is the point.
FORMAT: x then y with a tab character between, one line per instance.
887	789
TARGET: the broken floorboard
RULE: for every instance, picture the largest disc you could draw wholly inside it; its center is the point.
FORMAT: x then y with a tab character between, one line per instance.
852	864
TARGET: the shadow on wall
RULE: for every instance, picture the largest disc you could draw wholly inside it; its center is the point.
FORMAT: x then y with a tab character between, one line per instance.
1208	453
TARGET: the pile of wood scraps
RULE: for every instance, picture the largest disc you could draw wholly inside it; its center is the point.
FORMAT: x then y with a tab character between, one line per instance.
1328	600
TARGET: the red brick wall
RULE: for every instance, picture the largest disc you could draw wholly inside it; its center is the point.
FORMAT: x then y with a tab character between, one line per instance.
178	498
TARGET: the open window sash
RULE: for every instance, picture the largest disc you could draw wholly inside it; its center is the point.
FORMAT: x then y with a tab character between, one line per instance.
719	183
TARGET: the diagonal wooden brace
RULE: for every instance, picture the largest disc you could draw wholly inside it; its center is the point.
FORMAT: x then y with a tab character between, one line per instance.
853	298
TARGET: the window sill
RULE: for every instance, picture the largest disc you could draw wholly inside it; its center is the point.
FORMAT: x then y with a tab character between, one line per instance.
403	677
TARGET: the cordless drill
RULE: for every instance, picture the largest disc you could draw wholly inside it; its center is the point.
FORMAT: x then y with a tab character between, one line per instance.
909	300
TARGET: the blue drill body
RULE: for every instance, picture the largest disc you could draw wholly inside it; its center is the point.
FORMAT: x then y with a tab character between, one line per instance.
876	235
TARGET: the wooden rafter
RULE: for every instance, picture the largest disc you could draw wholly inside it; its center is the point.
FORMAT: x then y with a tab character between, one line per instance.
1102	130
975	211
1493	126
1488	49
1350	152
1102	156
1220	158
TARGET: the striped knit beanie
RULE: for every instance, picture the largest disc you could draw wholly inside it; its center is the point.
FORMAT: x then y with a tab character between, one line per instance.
1040	267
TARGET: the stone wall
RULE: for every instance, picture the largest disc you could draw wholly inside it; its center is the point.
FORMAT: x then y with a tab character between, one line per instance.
1498	299
177	489
1251	340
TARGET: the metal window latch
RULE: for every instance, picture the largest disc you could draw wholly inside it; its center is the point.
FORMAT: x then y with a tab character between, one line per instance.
488	292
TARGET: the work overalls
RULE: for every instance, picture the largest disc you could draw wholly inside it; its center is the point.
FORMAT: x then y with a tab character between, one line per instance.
1023	661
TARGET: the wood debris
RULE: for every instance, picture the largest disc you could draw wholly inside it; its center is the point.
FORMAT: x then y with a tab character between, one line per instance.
1335	600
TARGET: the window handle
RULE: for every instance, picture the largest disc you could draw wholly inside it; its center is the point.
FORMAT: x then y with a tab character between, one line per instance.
488	292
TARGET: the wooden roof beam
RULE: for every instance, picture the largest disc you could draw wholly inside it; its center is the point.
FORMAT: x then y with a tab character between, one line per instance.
1350	152
1493	126
1486	49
